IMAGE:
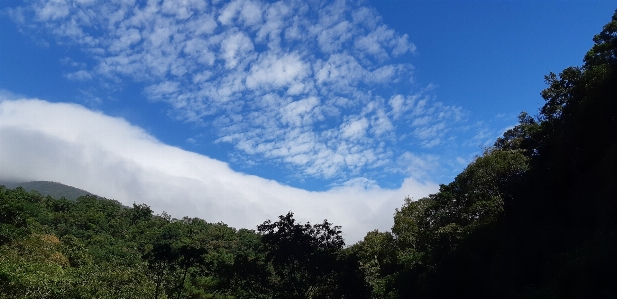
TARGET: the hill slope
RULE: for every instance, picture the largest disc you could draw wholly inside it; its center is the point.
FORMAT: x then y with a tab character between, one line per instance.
53	189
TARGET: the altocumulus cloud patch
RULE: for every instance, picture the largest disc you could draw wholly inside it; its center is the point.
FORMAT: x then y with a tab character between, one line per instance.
324	87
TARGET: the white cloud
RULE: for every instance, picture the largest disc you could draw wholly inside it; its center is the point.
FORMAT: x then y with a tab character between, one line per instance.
110	157
300	112
401	46
53	10
371	43
341	70
276	72
418	166
81	75
354	129
366	16
248	12
331	39
381	124
287	81
235	47
251	13
125	39
158	91
183	9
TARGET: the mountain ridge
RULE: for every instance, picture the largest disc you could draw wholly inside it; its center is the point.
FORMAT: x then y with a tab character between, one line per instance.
54	189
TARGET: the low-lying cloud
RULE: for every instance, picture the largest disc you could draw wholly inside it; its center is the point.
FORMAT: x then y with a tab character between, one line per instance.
108	156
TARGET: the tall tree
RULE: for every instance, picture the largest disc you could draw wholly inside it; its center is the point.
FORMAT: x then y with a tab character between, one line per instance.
302	256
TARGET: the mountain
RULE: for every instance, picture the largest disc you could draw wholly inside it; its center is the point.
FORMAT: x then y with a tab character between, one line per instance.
53	189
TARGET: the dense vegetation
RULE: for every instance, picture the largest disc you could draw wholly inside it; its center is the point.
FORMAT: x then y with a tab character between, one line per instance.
534	217
96	248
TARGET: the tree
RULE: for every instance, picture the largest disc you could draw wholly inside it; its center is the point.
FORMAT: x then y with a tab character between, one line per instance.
16	207
534	216
566	205
141	212
171	256
433	226
302	256
522	137
377	256
603	54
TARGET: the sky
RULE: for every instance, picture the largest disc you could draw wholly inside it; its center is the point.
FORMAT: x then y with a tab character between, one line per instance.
240	111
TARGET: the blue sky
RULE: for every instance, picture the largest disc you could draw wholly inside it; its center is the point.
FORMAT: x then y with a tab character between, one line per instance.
315	96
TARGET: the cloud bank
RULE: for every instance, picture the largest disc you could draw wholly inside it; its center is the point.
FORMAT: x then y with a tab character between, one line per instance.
323	87
110	157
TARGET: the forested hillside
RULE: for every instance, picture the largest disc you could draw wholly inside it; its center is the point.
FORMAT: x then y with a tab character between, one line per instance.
96	248
53	189
535	216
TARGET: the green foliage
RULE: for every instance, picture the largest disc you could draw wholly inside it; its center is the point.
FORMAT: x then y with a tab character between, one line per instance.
303	257
521	137
603	54
378	258
16	208
431	227
533	217
94	247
